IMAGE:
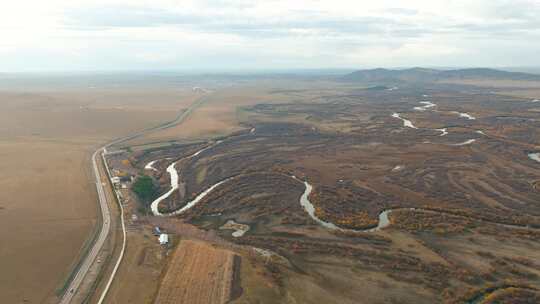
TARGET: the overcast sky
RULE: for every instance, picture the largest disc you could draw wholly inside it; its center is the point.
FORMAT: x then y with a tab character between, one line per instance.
68	35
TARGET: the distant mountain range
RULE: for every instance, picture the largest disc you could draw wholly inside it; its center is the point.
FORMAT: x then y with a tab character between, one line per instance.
430	75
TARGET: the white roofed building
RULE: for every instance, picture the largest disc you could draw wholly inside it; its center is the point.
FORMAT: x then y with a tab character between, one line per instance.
163	239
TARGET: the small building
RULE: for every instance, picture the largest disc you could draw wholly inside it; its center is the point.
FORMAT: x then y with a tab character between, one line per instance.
157	231
115	180
163	239
126	179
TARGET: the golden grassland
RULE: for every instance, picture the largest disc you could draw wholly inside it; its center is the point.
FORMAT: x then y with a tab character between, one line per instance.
48	204
219	114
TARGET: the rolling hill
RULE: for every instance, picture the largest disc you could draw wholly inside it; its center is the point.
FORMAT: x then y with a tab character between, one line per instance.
432	75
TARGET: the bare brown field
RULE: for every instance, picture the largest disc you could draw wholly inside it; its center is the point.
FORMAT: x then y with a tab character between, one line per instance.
198	273
87	115
48	211
48	202
217	116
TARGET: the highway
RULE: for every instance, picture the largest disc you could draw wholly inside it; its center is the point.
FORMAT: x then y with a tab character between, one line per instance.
106	227
105	212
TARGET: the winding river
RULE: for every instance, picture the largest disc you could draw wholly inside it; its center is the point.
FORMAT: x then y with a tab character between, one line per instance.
467	142
383	216
197	199
443	131
535	156
426	105
150	166
189	205
406	123
174	185
304	202
310	209
464	115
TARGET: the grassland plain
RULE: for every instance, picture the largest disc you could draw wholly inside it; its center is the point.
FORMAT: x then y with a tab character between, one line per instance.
470	202
222	113
48	202
341	138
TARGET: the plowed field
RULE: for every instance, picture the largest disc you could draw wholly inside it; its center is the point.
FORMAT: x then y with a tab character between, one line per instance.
198	273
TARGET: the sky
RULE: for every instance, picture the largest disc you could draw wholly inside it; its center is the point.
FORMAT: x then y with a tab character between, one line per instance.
121	35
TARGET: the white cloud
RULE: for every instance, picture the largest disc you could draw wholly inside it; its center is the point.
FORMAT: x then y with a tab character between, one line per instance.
124	34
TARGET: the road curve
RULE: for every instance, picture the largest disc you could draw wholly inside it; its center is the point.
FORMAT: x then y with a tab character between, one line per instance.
105	212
